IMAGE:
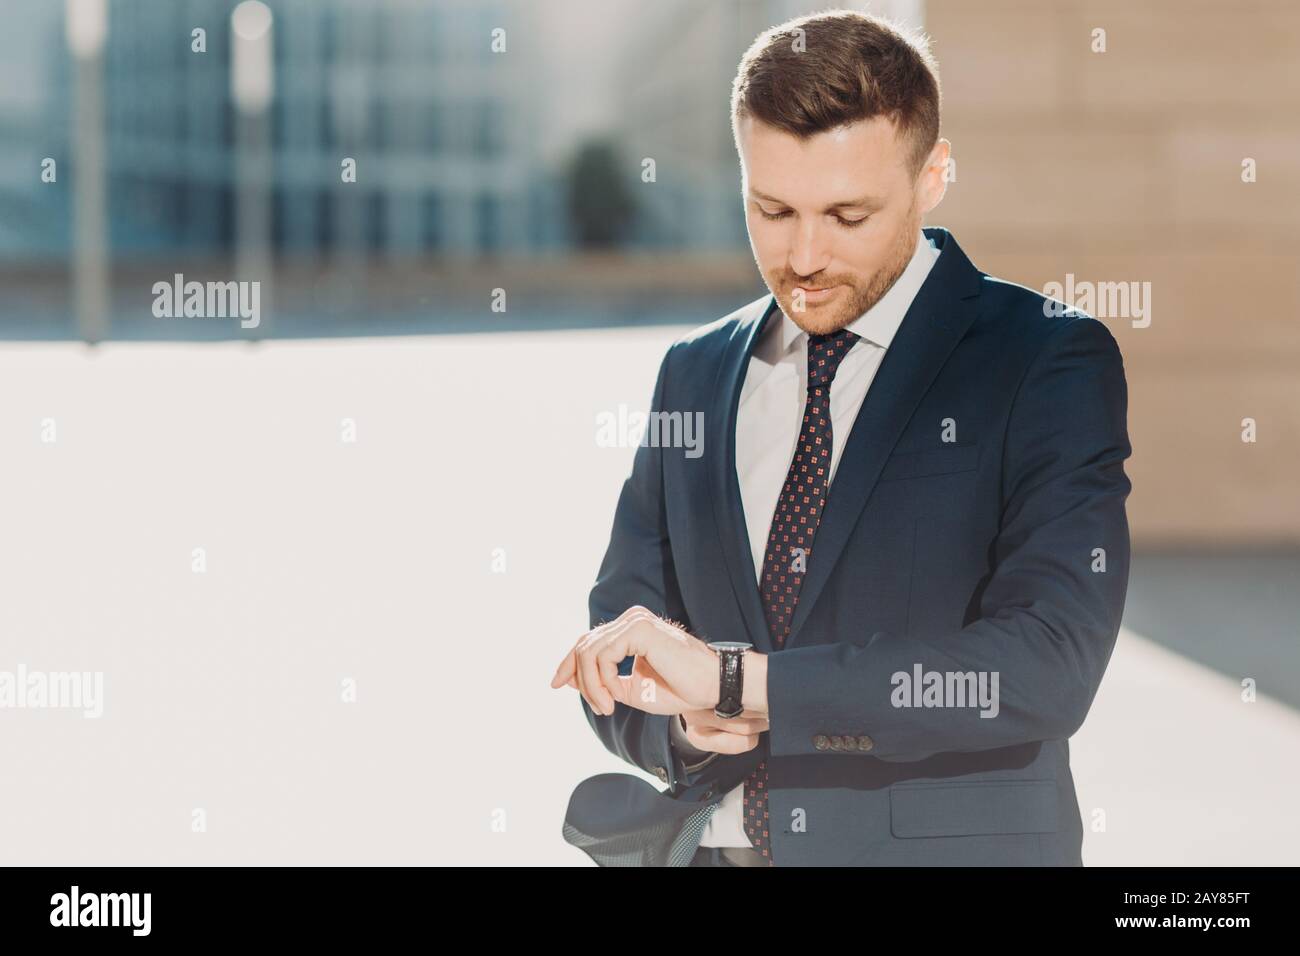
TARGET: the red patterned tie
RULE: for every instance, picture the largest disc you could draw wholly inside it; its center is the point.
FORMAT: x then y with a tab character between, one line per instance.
789	545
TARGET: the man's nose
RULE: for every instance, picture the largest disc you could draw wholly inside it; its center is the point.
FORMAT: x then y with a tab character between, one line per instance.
809	250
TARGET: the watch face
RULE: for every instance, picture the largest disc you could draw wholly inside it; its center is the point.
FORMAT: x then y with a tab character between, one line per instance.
729	645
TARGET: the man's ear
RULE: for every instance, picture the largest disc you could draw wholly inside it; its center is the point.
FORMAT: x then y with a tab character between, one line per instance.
934	177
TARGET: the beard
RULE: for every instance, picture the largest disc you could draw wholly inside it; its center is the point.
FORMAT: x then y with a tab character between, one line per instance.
831	316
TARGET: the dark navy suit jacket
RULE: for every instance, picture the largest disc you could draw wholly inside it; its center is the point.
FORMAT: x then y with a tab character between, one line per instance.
1005	550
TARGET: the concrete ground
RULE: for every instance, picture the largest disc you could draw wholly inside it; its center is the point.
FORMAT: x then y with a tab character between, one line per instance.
439	564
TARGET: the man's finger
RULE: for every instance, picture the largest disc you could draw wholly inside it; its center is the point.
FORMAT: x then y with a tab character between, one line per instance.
618	687
736	725
589	675
745	726
719	741
608	653
564	673
580	678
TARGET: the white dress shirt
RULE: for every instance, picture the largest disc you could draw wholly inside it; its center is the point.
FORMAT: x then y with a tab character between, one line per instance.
767	429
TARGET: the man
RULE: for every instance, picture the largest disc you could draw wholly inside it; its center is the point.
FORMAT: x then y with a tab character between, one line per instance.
911	503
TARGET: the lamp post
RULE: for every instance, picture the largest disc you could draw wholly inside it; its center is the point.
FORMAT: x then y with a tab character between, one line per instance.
252	85
87	29
349	98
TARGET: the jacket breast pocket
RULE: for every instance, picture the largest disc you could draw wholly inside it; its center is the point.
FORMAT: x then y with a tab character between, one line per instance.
944	460
968	809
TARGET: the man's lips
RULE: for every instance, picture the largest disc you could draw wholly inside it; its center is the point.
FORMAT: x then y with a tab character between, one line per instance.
815	295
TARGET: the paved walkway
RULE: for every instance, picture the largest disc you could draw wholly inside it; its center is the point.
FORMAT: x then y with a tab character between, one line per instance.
376	562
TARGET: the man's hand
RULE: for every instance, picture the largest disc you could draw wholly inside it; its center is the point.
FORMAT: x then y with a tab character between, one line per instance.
673	671
707	731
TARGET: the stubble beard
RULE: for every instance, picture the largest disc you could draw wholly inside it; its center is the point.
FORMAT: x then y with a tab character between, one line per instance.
822	320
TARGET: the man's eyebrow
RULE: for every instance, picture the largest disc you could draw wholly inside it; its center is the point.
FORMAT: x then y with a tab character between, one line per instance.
866	202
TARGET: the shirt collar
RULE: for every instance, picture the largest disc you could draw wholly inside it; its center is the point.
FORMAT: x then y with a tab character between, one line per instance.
879	323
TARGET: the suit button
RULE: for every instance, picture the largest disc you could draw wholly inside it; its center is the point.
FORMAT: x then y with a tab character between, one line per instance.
865	743
820	742
850	743
837	743
662	774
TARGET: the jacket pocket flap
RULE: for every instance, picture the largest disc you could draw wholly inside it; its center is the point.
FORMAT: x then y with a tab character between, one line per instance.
967	809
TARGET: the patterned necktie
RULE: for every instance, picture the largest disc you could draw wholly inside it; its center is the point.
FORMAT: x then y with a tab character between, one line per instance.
789	544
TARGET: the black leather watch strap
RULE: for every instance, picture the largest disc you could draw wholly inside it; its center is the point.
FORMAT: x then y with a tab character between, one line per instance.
731	678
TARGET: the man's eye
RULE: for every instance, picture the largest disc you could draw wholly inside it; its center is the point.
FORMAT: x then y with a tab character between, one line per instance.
851	223
773	215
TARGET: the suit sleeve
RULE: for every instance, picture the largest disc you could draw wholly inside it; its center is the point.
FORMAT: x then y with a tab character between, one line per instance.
638	569
1050	614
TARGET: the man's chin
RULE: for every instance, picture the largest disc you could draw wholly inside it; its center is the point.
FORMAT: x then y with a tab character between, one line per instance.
821	319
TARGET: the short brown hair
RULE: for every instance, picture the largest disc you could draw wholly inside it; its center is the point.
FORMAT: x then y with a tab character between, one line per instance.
853	66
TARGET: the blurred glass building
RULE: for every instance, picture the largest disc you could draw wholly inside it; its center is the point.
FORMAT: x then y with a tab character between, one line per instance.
441	127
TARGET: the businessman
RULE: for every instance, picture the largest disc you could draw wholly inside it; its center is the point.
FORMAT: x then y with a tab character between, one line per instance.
862	626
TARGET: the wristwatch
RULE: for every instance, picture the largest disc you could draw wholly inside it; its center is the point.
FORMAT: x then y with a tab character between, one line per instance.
731	676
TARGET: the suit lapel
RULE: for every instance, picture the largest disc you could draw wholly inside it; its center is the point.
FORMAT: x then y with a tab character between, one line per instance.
938	317
724	485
